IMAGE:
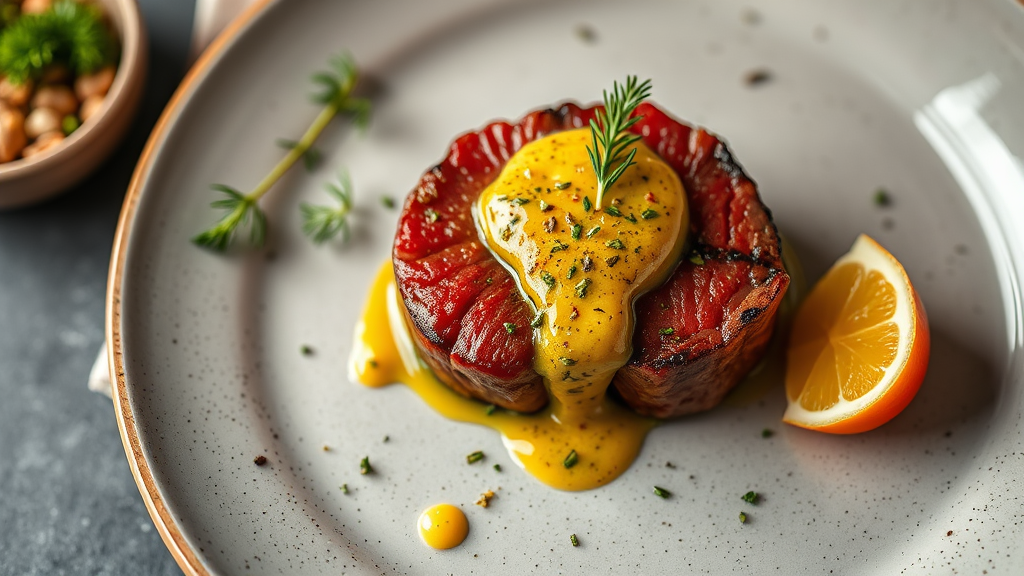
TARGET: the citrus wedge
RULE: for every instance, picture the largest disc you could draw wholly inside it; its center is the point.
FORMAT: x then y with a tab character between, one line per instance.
859	346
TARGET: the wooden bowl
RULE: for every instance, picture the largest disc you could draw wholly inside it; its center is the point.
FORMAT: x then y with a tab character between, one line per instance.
29	180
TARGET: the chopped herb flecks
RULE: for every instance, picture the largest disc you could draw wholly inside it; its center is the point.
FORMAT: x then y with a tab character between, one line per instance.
612	211
743	518
497	467
520	201
631	218
661	492
767	433
611	261
571	459
548	279
882	197
593	231
432	215
667	331
562	185
558	247
544	206
575	541
586	204
475	457
567	361
696	259
344	488
571	272
581	287
751	497
510	327
387	201
537	321
616	244
364	466
489	409
577	231
306	350
648	214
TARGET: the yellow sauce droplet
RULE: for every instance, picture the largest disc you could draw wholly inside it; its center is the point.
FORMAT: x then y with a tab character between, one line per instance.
443	526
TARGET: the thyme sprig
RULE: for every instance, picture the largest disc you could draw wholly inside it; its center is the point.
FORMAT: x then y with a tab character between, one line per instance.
321	223
610	133
336	96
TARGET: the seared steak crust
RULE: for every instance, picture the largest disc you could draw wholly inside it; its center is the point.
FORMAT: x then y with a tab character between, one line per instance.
472	326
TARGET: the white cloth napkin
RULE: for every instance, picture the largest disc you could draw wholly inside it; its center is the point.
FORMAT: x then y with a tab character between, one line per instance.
211	17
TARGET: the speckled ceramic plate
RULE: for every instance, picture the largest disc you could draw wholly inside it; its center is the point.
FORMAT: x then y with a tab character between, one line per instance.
922	98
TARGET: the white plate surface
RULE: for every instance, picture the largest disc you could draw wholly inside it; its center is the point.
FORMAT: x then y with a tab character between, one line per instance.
919	97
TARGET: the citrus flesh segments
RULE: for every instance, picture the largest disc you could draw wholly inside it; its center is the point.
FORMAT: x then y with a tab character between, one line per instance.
859	347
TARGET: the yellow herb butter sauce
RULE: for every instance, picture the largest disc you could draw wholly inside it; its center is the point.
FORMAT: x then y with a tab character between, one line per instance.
582	268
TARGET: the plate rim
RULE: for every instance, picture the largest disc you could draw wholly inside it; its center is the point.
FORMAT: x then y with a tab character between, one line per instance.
168	528
173	535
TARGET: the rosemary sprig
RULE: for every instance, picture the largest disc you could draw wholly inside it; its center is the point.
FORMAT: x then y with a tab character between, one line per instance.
336	96
321	223
610	133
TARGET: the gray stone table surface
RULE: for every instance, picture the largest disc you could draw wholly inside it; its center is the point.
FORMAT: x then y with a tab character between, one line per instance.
68	503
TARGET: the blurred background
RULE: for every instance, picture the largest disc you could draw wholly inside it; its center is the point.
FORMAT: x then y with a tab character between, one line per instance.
68	503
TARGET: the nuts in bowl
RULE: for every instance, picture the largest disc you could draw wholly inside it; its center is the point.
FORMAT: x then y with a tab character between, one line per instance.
71	74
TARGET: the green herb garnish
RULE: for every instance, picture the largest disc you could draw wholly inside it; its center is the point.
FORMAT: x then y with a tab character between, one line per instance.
321	223
649	214
69	124
433	216
243	209
581	288
475	457
696	259
520	201
593	231
610	133
576	232
562	185
630	218
537	321
767	433
344	488
567	361
558	247
586	204
387	202
510	327
497	467
69	33
571	272
548	279
667	331
575	541
615	244
751	497
364	466
743	518
661	492
612	211
490	409
882	197
310	158
571	459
